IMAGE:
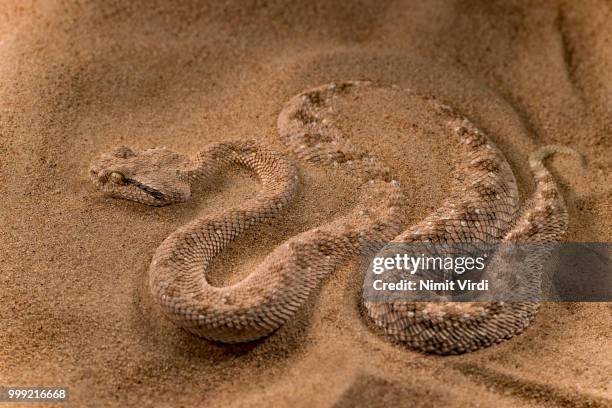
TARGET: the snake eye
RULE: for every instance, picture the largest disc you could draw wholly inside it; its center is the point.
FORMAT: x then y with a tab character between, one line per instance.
117	178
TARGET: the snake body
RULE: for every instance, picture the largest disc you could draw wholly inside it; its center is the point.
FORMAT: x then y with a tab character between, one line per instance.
483	207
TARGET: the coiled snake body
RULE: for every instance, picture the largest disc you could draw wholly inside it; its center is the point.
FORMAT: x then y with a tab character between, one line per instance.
483	207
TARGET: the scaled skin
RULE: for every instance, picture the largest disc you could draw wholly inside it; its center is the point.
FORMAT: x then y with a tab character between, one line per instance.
483	207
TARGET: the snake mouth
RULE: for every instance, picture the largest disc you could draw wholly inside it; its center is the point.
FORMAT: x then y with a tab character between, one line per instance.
156	194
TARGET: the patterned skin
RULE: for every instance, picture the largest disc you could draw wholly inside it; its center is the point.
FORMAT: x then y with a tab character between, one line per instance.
483	207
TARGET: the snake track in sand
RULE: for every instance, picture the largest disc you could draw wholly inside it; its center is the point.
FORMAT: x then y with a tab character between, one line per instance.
482	207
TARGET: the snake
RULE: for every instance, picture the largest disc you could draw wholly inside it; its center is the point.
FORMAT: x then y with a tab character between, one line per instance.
482	206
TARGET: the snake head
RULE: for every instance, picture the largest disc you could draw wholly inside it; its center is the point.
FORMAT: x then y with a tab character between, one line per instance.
151	176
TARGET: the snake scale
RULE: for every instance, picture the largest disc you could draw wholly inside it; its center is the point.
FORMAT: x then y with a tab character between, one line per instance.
483	206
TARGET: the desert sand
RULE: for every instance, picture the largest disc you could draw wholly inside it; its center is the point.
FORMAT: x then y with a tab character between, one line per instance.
77	79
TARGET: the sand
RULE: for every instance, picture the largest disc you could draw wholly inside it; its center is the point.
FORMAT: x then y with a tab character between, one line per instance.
79	78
